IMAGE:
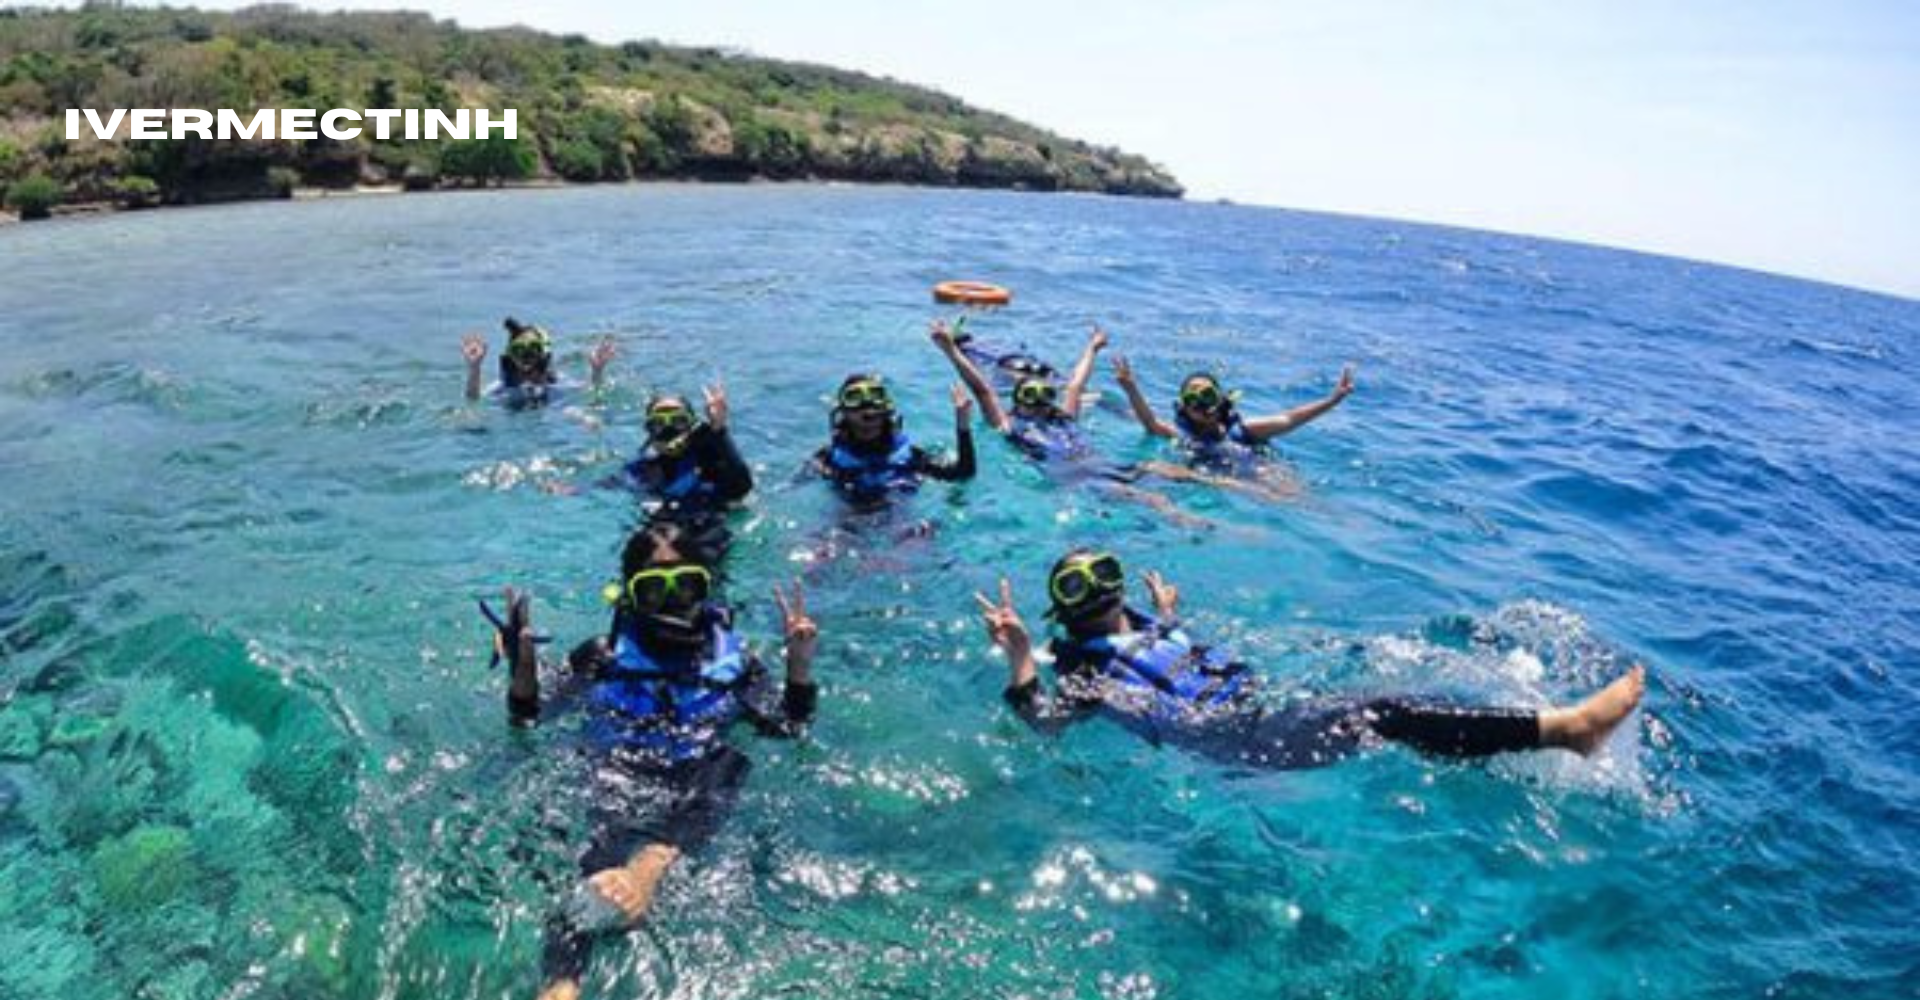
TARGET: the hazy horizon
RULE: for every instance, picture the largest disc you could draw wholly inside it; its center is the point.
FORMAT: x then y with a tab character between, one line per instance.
1773	137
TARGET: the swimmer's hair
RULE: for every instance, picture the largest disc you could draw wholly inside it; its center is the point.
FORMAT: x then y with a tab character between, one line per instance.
858	377
1203	376
648	546
513	326
660	399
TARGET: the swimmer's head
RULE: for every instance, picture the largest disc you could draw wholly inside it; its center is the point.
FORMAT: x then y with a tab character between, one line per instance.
670	425
1036	397
664	585
863	409
1204	404
529	354
1085	588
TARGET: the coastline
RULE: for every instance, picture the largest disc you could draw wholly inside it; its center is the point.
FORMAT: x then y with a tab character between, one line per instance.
88	209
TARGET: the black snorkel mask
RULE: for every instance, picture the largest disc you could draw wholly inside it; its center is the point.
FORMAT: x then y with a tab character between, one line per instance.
1085	587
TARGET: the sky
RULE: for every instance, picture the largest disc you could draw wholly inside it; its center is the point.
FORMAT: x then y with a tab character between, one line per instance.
1783	136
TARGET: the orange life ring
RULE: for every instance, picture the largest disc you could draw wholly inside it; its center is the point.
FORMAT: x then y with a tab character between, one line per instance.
971	293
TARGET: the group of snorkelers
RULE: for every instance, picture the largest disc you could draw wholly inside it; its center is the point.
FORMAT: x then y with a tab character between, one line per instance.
656	696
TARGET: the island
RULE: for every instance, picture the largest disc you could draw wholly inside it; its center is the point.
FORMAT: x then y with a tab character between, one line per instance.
587	112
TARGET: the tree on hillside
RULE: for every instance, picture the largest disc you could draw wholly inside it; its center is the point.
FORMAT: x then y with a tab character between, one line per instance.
489	161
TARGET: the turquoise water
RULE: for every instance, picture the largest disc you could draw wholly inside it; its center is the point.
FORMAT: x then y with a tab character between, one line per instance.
250	745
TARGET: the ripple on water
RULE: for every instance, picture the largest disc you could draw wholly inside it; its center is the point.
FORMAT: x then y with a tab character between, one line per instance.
236	586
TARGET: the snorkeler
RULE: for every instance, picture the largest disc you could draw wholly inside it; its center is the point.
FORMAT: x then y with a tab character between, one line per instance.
1145	672
691	468
657	695
527	377
1208	422
1044	419
1045	422
871	458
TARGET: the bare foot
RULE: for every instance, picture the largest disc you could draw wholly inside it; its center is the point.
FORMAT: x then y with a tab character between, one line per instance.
565	989
1584	727
630	888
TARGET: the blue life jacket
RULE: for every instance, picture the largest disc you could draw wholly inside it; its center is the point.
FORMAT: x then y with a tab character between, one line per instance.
873	474
676	480
1159	669
1237	450
1045	439
674	709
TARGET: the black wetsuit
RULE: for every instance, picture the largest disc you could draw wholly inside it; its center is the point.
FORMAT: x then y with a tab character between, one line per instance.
695	488
1160	684
660	767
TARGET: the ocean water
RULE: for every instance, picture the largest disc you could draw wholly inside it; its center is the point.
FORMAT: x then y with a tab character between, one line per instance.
250	745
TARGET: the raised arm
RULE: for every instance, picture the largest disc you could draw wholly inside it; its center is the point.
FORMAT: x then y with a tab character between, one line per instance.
1264	428
1082	372
799	695
597	359
515	640
990	408
474	349
962	467
1047	714
1142	410
730	473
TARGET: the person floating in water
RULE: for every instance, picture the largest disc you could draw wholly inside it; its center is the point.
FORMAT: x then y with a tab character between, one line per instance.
656	696
691	469
1146	672
1044	420
1223	447
527	377
871	459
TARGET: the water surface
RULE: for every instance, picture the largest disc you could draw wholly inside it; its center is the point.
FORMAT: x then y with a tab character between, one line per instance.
250	745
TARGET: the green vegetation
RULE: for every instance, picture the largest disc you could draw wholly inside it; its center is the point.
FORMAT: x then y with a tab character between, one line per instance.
33	196
587	112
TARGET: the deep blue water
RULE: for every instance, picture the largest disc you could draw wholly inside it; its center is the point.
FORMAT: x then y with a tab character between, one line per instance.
250	745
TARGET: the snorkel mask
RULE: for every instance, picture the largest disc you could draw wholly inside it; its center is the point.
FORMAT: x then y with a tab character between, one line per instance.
1201	398
1202	394
1036	395
1085	586
863	394
667	601
529	352
670	425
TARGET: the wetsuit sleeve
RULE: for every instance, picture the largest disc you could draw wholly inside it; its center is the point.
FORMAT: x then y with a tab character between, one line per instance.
961	468
1047	714
560	686
815	467
721	460
783	714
